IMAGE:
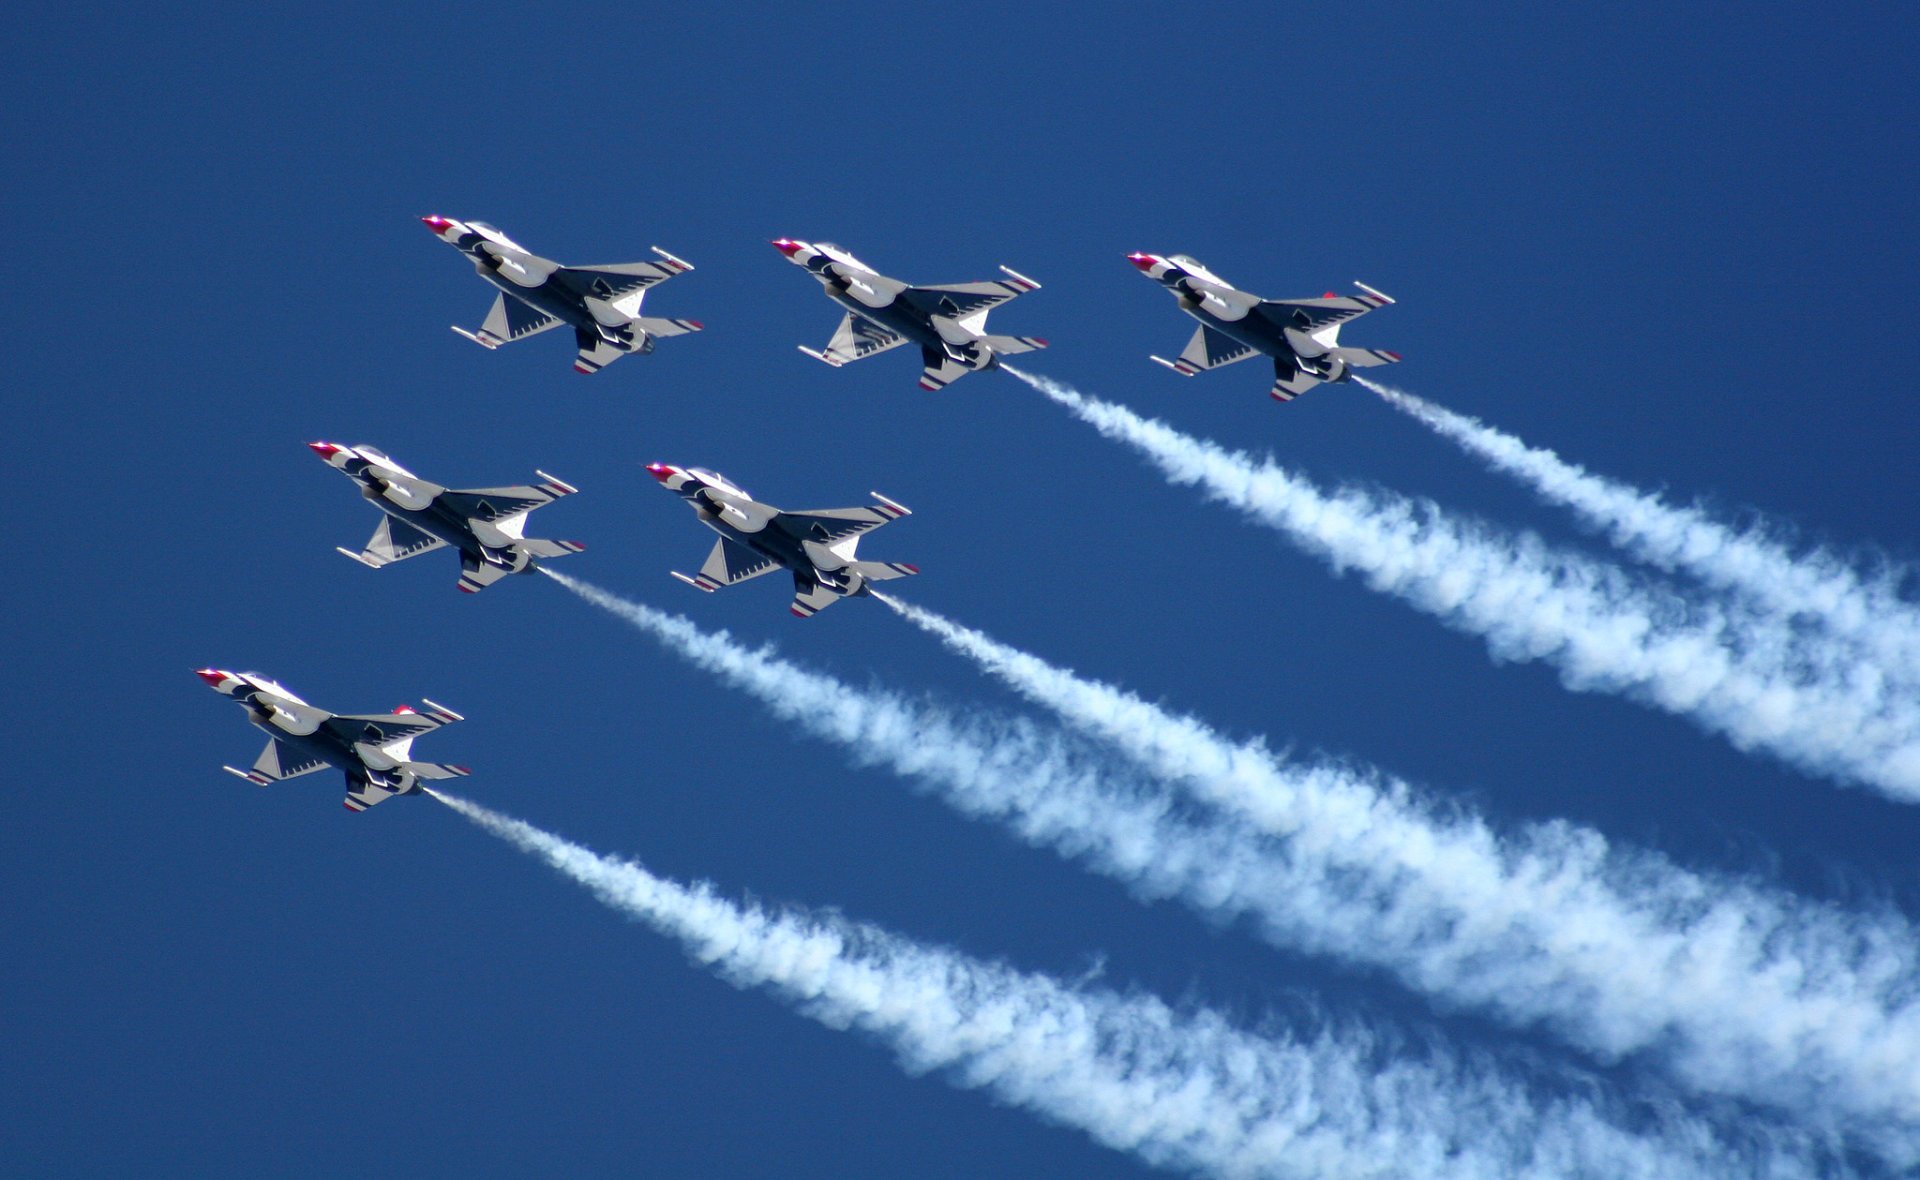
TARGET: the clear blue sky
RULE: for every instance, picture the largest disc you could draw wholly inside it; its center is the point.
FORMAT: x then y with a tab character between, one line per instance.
1677	244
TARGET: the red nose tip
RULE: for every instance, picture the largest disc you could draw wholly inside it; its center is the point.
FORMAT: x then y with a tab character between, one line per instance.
326	450
787	246
1143	261
660	471
436	224
213	676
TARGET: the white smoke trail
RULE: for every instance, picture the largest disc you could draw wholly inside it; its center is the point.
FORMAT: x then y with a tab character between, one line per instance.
1705	660
1181	1090
1868	613
1742	990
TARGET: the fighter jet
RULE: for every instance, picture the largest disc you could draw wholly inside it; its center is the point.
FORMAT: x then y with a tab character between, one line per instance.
487	525
372	750
1301	335
755	538
602	303
948	323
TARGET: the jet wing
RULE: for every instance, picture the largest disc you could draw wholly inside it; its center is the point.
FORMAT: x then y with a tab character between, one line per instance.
492	504
277	762
509	320
960	301
730	562
827	525
616	279
382	729
1207	350
1311	315
394	540
856	339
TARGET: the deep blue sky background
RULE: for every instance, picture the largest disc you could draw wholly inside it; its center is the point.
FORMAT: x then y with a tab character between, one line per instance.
1677	244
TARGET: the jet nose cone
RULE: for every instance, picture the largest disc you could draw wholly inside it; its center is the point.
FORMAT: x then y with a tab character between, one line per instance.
326	450
213	676
1143	261
787	246
436	223
660	471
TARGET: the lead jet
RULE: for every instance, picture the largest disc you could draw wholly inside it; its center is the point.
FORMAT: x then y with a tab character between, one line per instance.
1301	335
601	303
755	538
374	750
948	323
486	525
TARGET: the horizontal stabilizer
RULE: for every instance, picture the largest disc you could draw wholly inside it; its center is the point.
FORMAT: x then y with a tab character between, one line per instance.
436	770
660	327
883	571
1013	345
541	547
1365	358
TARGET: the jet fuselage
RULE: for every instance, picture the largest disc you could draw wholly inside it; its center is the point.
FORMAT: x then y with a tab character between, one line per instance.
547	293
433	517
761	528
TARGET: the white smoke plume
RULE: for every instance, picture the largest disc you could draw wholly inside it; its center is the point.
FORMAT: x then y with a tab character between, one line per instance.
1740	990
1186	1091
1858	615
1706	660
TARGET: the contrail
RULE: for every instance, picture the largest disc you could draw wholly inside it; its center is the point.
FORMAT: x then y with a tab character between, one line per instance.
1707	660
1184	1090
1741	990
1868	613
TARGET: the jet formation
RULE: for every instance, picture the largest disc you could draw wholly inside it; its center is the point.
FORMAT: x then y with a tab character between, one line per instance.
374	750
948	323
485	525
1301	335
600	303
817	547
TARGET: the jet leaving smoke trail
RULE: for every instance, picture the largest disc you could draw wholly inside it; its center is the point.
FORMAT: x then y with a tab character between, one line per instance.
1186	1091
1778	998
1705	660
1743	991
1870	614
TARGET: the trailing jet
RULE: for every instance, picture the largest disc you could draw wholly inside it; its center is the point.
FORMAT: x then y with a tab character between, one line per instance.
755	538
948	323
601	303
1301	335
486	525
373	750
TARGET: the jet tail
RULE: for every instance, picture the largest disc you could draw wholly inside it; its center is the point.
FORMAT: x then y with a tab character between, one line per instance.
541	547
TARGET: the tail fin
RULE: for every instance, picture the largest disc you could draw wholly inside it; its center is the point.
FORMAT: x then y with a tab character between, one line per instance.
436	770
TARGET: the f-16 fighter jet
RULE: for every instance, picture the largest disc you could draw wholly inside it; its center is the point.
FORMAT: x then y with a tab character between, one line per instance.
373	750
487	525
755	538
1301	335
948	323
602	303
